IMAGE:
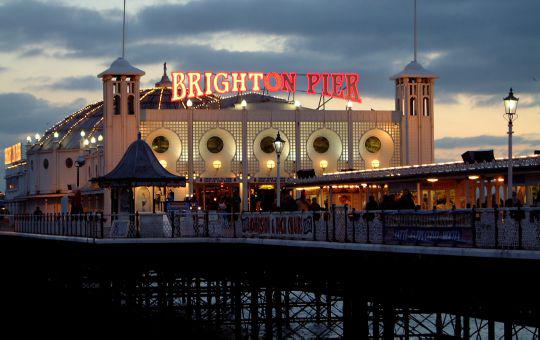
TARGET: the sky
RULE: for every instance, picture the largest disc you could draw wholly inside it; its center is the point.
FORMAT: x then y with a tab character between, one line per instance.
51	52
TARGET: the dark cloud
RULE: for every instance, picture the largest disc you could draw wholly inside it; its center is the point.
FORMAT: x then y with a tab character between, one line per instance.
484	46
83	83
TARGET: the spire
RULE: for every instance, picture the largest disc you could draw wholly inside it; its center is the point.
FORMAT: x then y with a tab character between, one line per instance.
124	33
165	81
415	33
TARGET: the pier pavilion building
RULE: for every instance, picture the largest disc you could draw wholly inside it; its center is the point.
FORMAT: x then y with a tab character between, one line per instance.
222	144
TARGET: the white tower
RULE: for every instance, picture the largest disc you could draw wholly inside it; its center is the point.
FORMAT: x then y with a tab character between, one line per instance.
415	88
121	109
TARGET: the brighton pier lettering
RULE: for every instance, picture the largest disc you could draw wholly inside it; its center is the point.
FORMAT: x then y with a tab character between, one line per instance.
199	84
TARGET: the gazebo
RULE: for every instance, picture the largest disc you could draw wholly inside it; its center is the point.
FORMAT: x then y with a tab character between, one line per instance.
138	167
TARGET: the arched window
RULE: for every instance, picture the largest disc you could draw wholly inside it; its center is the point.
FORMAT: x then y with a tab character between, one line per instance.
131	105
116	105
426	106
412	107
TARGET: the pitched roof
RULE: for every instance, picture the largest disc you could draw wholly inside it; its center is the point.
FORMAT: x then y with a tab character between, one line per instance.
139	167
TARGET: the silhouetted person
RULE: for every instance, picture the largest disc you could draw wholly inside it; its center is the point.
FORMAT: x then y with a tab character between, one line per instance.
372	204
38	211
315	206
406	201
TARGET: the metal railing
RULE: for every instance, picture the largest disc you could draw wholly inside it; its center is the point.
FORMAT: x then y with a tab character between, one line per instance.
501	228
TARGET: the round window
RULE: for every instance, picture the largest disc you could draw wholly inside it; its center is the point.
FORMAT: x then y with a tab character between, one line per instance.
373	144
321	144
160	144
69	162
267	144
46	163
214	144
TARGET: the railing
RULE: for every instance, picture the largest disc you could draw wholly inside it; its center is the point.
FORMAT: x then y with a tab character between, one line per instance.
504	228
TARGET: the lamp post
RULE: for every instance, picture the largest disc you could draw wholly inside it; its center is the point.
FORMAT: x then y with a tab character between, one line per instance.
78	163
278	147
510	108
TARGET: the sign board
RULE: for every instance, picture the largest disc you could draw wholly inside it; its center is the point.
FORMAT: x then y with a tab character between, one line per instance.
428	235
13	154
200	84
278	225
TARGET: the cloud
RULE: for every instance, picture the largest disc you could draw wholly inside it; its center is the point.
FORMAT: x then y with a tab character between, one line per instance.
475	46
451	148
83	83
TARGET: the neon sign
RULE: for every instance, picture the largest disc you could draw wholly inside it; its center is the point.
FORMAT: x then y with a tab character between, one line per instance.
200	84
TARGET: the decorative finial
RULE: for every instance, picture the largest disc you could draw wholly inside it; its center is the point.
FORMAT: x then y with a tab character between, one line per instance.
415	33
164	68
139	137
124	33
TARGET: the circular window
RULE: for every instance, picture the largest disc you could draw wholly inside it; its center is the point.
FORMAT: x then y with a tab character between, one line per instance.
321	144
373	144
160	144
214	144
267	144
46	163
69	162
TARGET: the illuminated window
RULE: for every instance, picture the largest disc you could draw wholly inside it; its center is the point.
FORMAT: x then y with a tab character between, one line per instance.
412	107
116	105
214	144
160	144
267	144
426	106
69	163
46	163
373	144
321	144
131	105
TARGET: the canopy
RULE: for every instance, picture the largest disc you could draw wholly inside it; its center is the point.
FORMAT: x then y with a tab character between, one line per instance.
139	167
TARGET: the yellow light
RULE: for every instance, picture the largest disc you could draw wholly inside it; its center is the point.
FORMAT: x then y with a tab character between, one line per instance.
364	185
36	136
375	163
93	140
189	103
323	164
432	180
55	135
349	104
83	133
86	142
243	103
100	138
163	163
500	179
474	177
29	139
216	164
266	187
297	103
270	164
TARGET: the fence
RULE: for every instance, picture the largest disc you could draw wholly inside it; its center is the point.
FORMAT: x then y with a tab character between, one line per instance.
505	228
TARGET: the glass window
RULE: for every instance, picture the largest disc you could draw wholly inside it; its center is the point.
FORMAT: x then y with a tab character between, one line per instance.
373	144
214	144
46	163
267	144
116	105
69	162
426	106
160	144
131	105
321	144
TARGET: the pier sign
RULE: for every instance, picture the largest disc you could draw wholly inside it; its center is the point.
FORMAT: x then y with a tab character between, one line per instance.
292	225
200	84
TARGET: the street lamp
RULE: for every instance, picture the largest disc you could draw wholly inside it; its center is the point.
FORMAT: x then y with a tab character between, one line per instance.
278	147
510	108
78	163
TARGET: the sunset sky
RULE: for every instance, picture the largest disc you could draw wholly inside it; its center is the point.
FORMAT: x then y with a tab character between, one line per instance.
51	52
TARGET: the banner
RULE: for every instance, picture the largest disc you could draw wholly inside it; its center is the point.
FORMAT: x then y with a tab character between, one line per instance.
278	225
450	236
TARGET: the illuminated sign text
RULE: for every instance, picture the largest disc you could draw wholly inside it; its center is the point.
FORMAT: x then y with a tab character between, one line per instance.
200	84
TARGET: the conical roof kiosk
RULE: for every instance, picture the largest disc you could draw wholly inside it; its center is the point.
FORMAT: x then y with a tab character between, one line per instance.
139	167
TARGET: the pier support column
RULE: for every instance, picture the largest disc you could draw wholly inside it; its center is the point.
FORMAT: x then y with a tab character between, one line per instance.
388	321
355	317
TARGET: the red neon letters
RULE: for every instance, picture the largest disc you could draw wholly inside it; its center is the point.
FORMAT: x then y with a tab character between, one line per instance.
197	84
